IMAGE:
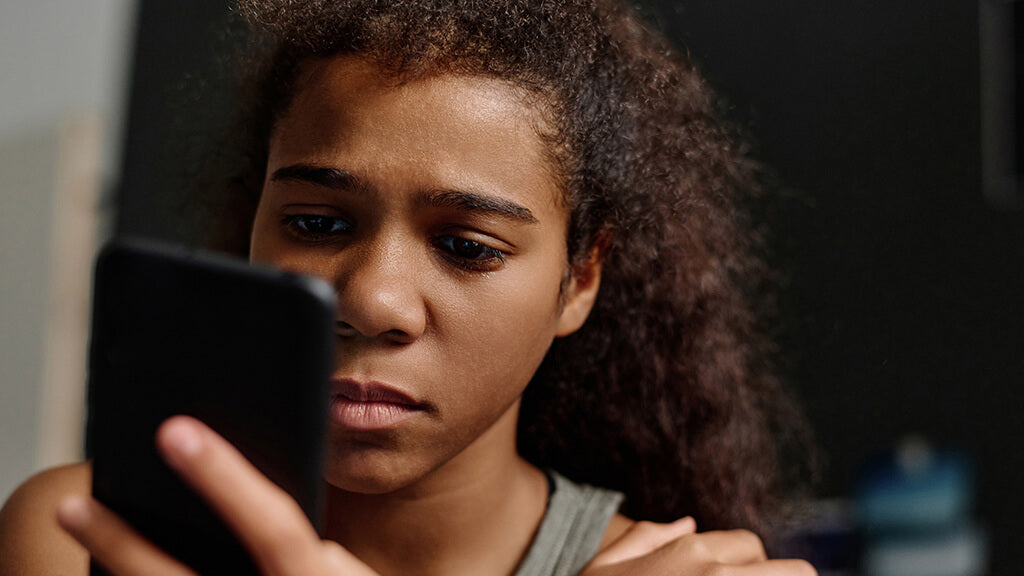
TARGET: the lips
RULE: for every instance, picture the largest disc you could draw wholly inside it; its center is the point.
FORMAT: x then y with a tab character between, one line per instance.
370	406
372	392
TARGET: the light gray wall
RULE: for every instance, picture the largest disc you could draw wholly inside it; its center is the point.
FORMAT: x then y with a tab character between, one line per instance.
60	60
61	55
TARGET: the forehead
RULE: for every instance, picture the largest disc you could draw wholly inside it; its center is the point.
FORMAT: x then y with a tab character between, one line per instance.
446	123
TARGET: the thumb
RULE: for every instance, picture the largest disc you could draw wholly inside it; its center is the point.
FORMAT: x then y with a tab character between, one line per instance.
643	538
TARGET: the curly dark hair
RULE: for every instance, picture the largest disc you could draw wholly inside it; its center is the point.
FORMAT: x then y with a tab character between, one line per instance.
667	393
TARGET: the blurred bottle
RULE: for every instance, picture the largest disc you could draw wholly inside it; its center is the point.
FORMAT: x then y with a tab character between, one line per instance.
915	509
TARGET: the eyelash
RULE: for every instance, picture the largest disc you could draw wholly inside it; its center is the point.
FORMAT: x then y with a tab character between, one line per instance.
492	257
487	258
299	225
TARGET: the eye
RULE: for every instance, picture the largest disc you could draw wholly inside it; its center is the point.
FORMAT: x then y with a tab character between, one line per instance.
316	226
470	253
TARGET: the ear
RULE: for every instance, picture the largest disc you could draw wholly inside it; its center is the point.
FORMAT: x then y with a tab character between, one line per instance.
581	292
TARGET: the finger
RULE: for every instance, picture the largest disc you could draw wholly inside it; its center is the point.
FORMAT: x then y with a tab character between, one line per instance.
776	568
266	520
643	538
113	543
735	547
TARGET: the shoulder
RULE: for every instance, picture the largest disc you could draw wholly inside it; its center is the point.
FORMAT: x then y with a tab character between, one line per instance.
31	542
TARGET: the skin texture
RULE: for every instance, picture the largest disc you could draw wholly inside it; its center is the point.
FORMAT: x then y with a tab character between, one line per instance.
422	308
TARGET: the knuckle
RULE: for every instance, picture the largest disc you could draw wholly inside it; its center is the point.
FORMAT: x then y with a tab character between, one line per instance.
692	547
750	540
744	534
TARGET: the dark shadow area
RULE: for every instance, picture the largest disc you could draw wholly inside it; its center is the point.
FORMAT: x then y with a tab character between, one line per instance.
905	296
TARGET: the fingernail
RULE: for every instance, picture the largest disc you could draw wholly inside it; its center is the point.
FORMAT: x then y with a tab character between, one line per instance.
181	440
73	512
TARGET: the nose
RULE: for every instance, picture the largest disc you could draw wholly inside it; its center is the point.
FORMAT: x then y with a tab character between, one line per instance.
379	296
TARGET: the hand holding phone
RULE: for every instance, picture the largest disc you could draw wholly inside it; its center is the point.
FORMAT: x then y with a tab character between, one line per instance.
266	520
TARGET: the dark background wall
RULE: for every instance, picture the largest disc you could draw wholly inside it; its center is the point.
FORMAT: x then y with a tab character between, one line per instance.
903	305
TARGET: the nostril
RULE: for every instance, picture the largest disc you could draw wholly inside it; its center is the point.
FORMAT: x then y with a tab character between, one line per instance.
398	336
345	329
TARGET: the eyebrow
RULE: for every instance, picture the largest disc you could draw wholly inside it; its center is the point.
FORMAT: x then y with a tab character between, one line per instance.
327	177
337	179
473	202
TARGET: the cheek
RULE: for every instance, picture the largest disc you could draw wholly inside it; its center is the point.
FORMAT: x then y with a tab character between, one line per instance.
505	334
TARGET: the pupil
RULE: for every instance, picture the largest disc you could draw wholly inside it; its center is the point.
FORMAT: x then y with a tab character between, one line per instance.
319	224
468	248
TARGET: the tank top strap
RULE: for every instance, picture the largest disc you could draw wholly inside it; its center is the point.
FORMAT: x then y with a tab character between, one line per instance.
571	530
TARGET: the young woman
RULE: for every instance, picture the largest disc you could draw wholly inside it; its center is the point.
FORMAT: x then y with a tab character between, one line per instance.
545	280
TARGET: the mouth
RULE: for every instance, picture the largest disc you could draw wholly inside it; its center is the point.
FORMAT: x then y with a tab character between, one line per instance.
370	406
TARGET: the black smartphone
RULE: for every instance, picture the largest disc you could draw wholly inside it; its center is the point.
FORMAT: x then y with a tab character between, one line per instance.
245	349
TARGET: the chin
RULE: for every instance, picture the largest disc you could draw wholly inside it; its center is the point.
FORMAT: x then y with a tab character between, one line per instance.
368	484
370	471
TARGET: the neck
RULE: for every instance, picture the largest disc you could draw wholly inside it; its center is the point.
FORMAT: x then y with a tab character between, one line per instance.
476	514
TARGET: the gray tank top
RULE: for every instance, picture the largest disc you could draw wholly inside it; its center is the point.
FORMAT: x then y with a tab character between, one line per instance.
571	530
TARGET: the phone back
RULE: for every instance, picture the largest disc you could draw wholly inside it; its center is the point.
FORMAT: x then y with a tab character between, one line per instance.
246	350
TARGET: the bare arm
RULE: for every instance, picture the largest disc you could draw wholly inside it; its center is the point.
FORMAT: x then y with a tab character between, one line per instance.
31	541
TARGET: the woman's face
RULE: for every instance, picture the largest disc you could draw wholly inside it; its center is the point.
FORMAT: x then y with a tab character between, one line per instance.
431	208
